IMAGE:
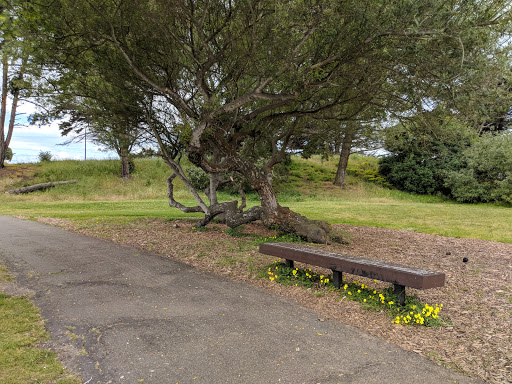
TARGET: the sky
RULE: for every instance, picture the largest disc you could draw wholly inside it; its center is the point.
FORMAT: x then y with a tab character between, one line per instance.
28	140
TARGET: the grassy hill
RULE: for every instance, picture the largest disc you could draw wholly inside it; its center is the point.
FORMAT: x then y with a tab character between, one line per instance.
304	185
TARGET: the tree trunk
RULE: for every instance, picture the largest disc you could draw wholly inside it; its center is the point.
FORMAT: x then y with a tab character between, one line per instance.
3	109
125	166
274	215
38	187
3	154
6	140
346	147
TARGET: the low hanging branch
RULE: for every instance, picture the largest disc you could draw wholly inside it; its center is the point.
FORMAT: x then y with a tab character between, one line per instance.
233	215
38	187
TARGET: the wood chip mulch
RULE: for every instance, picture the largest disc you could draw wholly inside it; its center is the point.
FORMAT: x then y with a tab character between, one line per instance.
477	296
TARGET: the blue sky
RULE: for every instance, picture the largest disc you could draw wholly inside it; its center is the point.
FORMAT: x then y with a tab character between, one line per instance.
28	140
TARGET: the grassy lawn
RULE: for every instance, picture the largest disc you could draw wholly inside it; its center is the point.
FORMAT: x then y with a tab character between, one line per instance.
482	221
101	194
454	220
21	361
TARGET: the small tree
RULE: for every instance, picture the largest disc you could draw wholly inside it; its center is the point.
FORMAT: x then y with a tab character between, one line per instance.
93	105
44	156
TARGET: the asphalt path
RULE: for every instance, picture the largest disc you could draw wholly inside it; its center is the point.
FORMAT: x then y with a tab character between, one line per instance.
120	315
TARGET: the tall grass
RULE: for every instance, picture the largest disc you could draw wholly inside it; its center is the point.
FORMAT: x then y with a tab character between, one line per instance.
307	188
99	180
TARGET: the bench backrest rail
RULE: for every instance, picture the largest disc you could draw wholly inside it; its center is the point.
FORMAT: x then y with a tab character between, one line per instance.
397	274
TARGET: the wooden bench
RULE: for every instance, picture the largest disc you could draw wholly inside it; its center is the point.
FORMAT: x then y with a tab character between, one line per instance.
400	275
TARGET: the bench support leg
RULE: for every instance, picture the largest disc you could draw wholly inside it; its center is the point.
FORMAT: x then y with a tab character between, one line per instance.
337	278
288	263
399	291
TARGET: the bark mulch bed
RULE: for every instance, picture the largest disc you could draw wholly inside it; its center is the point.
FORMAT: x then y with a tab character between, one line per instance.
477	296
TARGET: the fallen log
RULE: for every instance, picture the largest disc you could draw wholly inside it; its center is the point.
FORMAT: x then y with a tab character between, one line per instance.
38	187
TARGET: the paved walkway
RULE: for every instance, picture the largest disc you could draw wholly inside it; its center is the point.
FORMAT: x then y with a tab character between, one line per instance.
119	315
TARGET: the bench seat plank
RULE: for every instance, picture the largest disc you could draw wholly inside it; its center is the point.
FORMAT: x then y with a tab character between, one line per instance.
397	274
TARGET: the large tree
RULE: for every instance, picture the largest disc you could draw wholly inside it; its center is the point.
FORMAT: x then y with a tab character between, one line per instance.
90	105
13	63
241	77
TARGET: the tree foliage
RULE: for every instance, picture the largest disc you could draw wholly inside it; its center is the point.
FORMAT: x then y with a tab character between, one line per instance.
487	175
422	151
8	154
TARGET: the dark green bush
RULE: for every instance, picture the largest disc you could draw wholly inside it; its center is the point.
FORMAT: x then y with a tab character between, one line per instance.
409	174
487	175
423	151
131	166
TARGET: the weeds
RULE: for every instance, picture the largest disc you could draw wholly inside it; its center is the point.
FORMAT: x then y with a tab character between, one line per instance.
237	232
279	238
203	229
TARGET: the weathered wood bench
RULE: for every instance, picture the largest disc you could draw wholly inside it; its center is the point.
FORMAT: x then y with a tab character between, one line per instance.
400	275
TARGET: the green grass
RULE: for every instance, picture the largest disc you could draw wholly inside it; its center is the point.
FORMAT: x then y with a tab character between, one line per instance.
130	209
96	180
307	188
480	221
21	361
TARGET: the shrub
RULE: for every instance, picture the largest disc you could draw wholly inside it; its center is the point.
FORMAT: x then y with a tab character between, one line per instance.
131	166
411	174
488	172
423	151
465	188
44	156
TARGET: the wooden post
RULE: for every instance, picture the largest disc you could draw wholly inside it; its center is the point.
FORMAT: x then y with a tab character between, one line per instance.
337	278
399	291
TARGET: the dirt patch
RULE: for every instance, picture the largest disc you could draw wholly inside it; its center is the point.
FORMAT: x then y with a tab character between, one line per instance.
12	175
477	297
13	289
17	171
